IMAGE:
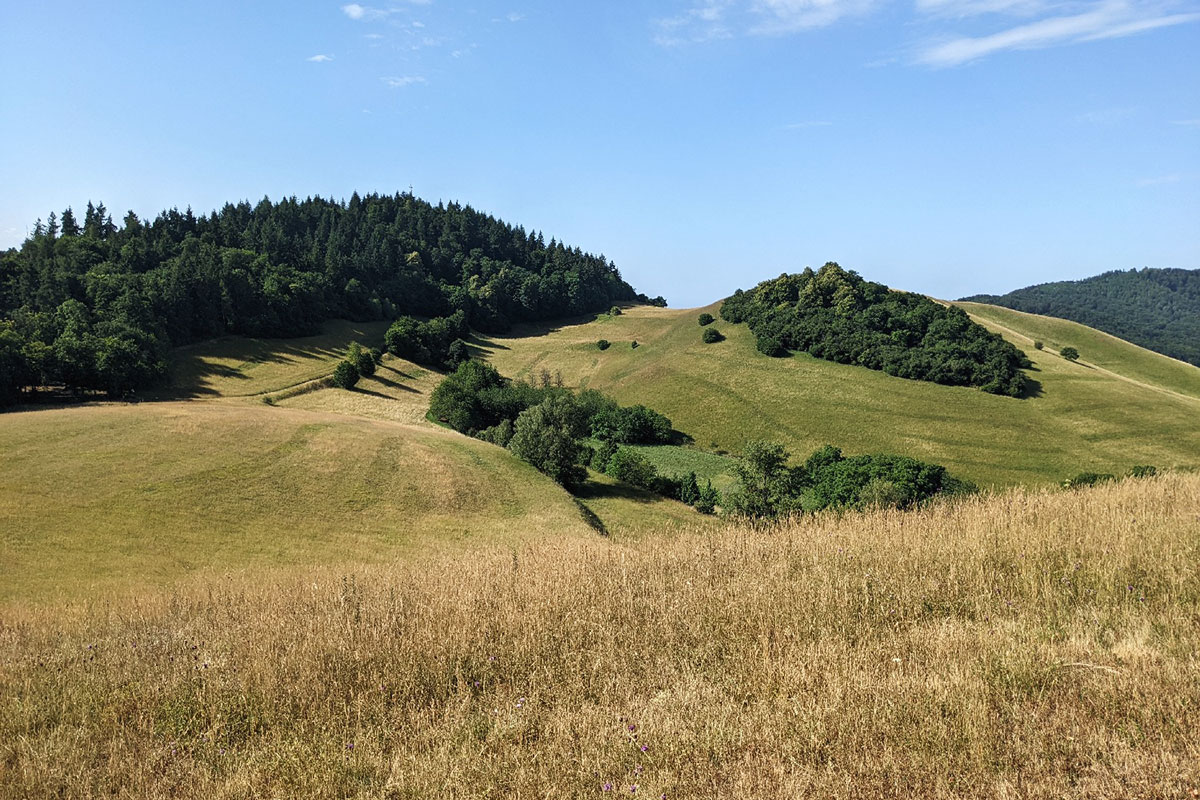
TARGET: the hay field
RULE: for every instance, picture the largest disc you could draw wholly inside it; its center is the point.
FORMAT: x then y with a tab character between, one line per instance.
1032	644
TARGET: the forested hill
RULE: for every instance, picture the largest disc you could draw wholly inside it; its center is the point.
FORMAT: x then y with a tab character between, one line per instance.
93	304
1158	309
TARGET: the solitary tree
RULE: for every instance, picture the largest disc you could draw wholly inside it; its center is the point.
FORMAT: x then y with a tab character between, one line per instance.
1069	353
547	436
345	376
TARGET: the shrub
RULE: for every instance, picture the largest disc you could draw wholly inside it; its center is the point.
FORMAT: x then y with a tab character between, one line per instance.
1142	471
345	376
1038	345
633	345
546	436
603	344
689	490
770	346
457	353
376	355
709	499
630	466
1088	479
632	425
712	336
361	358
615	311
705	319
501	433
602	455
1069	353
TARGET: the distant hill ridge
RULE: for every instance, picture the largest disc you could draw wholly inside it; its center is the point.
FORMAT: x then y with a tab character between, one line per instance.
1158	309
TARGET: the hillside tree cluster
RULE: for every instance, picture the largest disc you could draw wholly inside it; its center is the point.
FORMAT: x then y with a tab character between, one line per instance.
836	315
769	488
94	305
546	425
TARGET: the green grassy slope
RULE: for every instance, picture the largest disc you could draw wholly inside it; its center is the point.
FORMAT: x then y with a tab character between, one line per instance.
1085	417
1095	347
116	496
234	366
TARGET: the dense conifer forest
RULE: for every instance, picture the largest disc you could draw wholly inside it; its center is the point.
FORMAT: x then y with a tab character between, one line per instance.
1158	309
95	305
836	315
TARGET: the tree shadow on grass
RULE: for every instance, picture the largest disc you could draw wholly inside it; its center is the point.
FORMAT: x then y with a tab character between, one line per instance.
1033	388
592	490
393	384
372	392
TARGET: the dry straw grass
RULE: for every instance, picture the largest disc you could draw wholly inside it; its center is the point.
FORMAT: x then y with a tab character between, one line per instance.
1034	644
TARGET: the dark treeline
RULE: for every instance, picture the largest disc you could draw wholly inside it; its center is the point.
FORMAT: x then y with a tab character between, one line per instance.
94	305
1158	309
836	315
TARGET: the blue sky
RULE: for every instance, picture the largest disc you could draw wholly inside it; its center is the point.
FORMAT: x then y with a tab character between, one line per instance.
942	146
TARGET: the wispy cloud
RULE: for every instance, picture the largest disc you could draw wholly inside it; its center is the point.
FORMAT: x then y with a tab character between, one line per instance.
723	19
779	17
1031	24
961	9
1105	20
702	23
1161	180
319	58
1106	116
812	123
403	80
360	12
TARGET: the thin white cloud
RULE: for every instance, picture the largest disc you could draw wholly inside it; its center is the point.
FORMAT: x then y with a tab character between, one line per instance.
1105	20
1161	180
319	58
723	19
960	9
357	11
779	17
702	23
813	123
401	81
1106	116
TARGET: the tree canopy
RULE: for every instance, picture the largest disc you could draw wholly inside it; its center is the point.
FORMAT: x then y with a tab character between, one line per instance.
96	306
836	315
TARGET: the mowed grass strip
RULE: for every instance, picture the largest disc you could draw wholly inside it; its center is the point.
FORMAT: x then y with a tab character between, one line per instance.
117	498
1037	644
724	394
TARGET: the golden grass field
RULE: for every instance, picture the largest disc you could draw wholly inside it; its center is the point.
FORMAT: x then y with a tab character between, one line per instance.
1036	643
1130	406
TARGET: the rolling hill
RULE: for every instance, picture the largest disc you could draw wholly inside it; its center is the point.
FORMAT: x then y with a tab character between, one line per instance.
128	495
1156	308
115	497
1120	405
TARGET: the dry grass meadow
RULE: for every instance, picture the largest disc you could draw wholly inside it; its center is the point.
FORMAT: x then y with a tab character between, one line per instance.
1037	643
